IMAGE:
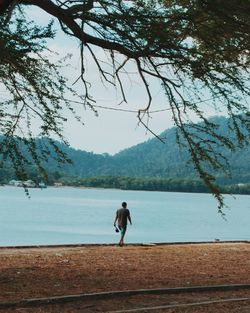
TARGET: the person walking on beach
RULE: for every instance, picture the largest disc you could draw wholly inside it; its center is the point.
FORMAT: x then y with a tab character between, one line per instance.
122	216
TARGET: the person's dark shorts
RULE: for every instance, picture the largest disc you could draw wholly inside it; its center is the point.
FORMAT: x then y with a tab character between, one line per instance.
123	229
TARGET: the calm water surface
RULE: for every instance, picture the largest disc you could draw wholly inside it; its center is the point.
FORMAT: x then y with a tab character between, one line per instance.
70	215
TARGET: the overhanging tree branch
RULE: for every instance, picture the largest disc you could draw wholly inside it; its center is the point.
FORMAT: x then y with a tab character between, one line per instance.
191	48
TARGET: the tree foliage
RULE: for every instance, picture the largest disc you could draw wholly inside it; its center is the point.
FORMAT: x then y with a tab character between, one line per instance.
195	49
29	92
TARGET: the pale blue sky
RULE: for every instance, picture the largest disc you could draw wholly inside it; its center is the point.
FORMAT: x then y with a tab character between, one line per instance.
112	130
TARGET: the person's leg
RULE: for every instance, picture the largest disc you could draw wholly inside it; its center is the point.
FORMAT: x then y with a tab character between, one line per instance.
123	231
121	238
121	243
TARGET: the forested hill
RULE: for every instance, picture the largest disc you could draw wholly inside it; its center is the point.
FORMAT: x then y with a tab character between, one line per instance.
167	160
149	159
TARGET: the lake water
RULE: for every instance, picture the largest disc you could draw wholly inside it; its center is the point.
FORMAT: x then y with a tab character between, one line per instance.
72	215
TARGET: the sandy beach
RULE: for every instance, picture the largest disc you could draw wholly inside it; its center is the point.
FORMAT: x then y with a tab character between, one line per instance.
57	271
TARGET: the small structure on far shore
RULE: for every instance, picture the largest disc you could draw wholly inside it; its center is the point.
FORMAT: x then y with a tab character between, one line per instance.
27	183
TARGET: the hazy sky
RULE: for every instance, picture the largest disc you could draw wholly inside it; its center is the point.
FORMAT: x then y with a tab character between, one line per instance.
112	130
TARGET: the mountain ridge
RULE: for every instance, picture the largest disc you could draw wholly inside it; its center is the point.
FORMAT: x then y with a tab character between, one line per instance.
150	159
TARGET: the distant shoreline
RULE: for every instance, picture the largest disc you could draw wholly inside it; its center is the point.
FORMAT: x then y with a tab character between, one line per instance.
120	189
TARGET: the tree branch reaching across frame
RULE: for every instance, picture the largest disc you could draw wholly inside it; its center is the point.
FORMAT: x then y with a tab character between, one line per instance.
191	47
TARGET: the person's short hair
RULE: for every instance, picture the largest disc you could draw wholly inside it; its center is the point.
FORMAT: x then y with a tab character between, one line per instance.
124	204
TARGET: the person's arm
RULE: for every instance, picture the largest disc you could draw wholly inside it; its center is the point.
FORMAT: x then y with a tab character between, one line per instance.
116	218
130	221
